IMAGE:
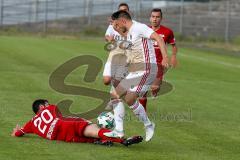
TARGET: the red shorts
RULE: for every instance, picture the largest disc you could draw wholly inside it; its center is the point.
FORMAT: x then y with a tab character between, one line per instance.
72	131
159	64
160	71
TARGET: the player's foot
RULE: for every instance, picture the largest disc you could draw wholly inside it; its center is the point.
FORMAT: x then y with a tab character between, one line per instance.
104	142
115	134
149	131
132	140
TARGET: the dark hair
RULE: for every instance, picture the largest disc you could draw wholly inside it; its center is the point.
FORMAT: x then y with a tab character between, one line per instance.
36	104
121	14
157	10
123	4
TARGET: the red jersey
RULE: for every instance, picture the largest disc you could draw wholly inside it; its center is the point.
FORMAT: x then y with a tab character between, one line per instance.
168	37
49	123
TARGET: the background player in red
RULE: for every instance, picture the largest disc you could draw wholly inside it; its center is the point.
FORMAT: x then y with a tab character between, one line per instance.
50	124
168	37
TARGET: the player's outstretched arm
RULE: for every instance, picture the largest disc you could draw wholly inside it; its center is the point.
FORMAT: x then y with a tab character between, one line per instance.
162	47
109	38
17	132
173	60
157	82
155	87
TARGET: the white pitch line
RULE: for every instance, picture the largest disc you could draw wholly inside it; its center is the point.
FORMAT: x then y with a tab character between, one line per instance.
209	60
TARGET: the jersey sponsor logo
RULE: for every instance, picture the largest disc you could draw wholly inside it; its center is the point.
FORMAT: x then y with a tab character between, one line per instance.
51	128
121	38
123	44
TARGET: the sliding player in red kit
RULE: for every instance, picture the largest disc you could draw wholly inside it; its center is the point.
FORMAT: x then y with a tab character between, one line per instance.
49	123
168	37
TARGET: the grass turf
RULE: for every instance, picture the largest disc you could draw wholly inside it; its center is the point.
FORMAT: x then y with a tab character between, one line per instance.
199	119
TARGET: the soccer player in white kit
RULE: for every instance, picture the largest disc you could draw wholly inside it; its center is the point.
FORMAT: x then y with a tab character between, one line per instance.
142	70
115	66
110	32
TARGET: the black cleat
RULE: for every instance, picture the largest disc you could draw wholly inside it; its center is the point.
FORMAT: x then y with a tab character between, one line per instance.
104	142
132	140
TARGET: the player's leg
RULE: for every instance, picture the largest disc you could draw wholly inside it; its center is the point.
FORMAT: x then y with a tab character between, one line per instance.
115	58
143	85
108	69
107	73
116	104
120	73
131	99
137	108
160	72
119	112
94	131
143	101
139	111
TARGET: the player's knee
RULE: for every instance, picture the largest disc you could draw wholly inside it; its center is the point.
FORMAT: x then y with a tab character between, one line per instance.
130	101
106	80
131	98
91	131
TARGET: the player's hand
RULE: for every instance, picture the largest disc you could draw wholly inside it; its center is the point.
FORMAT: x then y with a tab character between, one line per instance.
173	61
15	130
109	38
155	87
165	62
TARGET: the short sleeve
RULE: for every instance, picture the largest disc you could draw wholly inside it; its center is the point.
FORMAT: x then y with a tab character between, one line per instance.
146	32
171	39
109	31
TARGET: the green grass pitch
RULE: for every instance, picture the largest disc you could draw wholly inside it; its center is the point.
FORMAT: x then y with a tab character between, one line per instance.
199	119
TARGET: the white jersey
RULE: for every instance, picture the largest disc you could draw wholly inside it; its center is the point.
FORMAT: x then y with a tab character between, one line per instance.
112	32
142	47
139	35
141	69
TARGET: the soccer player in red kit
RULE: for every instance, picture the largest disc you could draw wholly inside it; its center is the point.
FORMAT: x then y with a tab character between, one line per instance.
168	37
49	123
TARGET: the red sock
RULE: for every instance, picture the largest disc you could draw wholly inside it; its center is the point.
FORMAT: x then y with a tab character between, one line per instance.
143	102
103	137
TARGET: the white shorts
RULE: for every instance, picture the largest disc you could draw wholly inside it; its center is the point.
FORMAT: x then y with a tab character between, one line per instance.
116	65
115	71
139	81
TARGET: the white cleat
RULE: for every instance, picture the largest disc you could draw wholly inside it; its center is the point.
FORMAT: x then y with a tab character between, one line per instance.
115	134
149	131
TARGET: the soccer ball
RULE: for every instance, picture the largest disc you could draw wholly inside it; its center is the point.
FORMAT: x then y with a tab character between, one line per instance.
106	120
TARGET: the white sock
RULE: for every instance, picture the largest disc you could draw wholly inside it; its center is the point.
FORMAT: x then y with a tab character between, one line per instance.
119	113
139	111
